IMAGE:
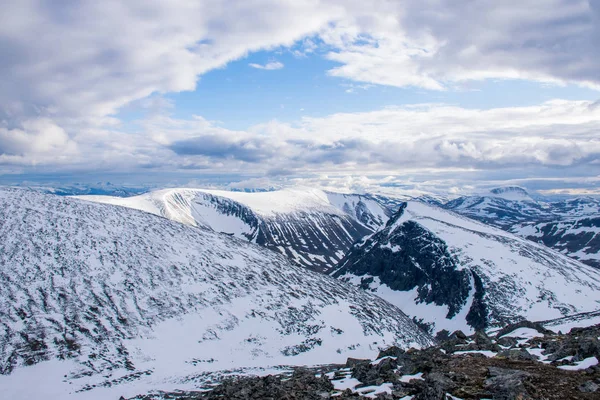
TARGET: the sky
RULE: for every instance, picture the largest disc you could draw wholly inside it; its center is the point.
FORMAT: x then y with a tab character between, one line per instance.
429	95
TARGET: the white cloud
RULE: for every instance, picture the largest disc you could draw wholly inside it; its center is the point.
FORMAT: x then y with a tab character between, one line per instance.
94	57
39	140
268	66
91	58
436	136
75	63
431	44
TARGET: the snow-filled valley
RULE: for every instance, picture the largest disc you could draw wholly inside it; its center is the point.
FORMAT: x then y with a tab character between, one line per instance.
99	301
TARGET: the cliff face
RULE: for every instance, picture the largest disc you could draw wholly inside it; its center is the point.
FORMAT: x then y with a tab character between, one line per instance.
454	273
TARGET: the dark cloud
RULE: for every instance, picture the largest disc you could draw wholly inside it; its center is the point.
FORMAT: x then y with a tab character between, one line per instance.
251	150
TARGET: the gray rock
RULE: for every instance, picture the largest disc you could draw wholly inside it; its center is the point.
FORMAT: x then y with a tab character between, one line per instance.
436	386
376	374
506	384
507	341
352	362
517	354
589	387
393	351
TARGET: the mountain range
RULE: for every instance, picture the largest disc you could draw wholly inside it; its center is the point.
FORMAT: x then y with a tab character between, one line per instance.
104	296
97	301
450	272
312	227
444	270
571	226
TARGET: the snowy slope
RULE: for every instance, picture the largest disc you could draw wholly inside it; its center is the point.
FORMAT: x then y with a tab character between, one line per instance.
453	272
99	301
312	227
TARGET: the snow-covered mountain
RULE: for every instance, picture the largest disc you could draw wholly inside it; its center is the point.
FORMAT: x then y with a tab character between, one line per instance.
570	226
455	273
514	193
579	238
312	227
502	207
99	301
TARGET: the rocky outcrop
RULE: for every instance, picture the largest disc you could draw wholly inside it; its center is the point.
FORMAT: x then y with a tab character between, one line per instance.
449	272
444	372
405	256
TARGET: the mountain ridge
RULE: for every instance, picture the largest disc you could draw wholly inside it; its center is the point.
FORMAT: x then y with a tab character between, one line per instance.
312	227
475	276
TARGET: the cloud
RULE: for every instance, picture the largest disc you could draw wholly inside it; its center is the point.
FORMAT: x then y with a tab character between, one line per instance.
253	149
429	137
68	68
423	139
75	64
89	59
268	66
92	58
36	141
431	44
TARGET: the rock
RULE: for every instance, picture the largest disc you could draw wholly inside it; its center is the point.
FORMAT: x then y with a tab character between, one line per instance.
436	386
442	336
524	324
482	338
588	347
589	387
507	341
516	354
458	335
352	362
383	371
481	341
456	341
506	384
579	344
393	351
302	385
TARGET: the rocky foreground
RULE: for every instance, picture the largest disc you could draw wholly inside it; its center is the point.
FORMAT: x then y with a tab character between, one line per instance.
523	361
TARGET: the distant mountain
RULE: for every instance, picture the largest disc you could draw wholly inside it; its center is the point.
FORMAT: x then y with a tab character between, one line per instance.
502	207
577	237
101	301
314	228
454	273
98	189
569	226
511	193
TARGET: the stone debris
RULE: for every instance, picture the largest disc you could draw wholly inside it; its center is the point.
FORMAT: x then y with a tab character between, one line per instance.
520	362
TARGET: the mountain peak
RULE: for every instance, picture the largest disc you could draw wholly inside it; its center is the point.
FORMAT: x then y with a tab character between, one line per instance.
511	193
